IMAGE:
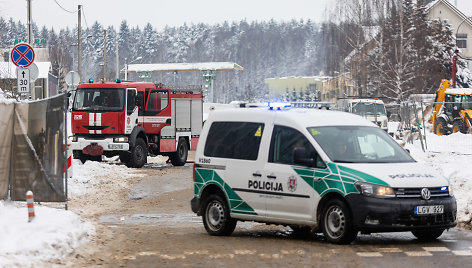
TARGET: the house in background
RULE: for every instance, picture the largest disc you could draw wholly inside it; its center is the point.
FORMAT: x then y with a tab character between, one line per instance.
461	24
293	88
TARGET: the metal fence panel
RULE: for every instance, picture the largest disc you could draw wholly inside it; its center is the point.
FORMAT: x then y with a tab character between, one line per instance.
38	152
6	125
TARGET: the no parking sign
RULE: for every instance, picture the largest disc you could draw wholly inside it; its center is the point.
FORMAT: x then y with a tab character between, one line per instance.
22	55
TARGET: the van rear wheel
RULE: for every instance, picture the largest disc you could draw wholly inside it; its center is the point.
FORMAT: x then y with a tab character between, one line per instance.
336	223
216	218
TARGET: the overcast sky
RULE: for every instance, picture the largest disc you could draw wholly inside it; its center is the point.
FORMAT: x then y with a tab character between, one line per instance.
160	13
170	12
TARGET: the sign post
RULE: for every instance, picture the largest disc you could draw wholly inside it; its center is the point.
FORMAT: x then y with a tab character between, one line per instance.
22	55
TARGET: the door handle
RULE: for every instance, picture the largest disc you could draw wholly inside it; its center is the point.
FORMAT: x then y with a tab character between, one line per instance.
271	177
256	175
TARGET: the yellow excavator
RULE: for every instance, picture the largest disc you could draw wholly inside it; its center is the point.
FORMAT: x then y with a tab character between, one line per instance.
452	110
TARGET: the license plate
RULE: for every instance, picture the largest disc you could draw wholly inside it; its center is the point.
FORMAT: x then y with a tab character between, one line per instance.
115	146
426	210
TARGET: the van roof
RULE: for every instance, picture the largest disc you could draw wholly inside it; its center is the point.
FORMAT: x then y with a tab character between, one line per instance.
295	117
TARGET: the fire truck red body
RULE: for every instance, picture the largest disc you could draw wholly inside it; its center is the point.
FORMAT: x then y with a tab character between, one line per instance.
134	119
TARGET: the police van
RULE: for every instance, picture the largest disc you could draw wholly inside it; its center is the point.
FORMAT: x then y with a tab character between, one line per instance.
317	171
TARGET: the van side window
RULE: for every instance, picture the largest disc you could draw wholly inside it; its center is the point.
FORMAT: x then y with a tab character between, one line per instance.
237	140
284	143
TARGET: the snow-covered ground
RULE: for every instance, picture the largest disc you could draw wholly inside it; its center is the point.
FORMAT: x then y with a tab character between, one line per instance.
56	232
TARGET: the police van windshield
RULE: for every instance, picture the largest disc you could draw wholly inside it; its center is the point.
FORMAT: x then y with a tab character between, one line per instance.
99	99
359	144
368	108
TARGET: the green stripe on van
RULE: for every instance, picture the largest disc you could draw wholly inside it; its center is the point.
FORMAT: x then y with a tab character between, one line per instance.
204	176
335	178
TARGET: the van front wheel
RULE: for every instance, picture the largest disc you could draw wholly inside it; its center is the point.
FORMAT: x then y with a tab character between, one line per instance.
216	218
336	222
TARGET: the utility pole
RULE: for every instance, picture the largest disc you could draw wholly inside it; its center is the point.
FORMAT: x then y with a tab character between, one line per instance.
30	24
79	42
117	74
105	55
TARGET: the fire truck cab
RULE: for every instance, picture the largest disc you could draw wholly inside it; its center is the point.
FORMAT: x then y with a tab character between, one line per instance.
134	120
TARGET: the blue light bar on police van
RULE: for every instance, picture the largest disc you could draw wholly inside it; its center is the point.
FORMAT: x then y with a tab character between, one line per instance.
444	188
278	105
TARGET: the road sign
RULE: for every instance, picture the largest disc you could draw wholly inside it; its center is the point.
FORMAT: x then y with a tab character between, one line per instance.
72	78
22	55
23	75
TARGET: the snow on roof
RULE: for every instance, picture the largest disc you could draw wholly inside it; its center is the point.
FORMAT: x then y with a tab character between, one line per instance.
170	67
460	91
8	70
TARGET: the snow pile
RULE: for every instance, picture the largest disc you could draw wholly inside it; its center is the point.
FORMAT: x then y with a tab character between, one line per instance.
449	156
5	97
86	177
53	234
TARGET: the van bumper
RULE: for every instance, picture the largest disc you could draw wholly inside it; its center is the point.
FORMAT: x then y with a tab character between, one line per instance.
195	204
372	214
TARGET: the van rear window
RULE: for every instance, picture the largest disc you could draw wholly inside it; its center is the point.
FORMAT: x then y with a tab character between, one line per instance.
236	140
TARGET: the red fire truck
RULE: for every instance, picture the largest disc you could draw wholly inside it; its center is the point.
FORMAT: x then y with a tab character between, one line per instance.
134	120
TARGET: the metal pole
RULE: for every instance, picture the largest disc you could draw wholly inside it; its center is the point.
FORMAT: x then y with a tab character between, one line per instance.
30	24
105	55
117	73
66	166
424	126
79	42
126	69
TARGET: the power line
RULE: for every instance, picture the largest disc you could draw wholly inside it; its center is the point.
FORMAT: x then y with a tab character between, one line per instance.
85	19
64	8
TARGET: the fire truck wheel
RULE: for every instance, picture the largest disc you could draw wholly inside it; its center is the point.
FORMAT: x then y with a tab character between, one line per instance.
139	154
179	158
83	157
124	157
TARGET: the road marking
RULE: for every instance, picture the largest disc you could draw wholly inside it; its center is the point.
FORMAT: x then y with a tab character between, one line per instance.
244	252
462	252
221	256
390	250
270	256
196	252
418	253
172	256
148	253
293	252
369	254
436	249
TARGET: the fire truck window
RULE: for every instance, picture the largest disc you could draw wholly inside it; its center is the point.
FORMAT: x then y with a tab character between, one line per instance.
141	103
131	104
157	101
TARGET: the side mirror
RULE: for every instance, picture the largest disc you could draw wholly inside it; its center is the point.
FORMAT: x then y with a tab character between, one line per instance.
299	157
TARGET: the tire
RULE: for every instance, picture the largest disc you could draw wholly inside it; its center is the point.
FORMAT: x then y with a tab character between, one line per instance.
336	223
83	157
179	158
124	157
428	235
216	218
138	155
441	127
459	126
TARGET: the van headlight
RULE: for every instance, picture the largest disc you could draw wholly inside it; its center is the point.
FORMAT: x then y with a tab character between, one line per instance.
374	190
451	192
120	140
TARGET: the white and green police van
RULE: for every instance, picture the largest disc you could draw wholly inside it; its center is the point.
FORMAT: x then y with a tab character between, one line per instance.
314	170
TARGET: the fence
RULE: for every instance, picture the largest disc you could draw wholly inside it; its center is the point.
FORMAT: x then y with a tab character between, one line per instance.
32	150
415	126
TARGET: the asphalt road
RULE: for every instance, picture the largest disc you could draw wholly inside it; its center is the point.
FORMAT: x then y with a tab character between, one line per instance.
151	225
